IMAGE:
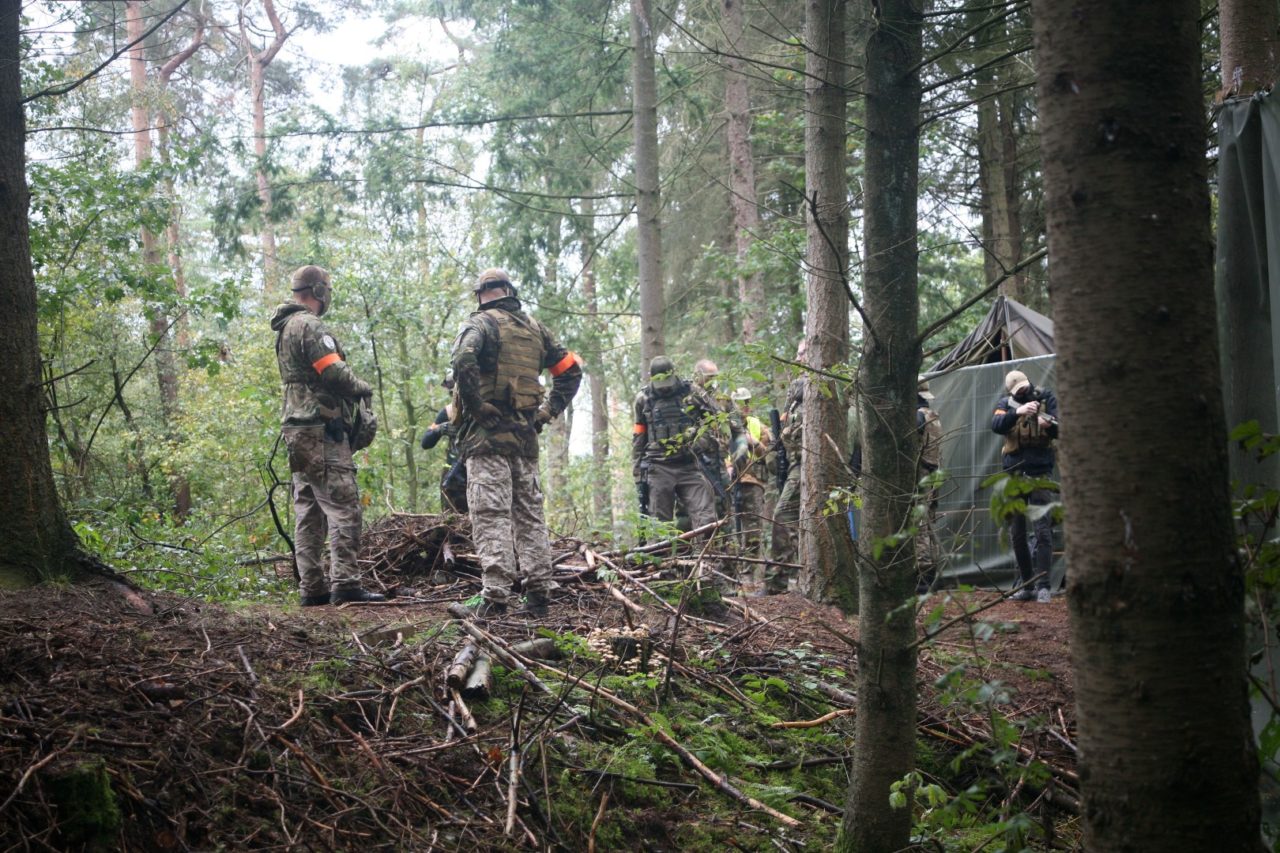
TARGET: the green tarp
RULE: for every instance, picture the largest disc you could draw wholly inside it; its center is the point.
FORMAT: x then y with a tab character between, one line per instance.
1248	272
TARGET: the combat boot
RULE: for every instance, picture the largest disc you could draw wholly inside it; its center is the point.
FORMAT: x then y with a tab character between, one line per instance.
314	600
357	594
535	604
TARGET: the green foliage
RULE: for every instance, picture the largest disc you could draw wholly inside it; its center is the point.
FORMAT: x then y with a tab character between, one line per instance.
88	811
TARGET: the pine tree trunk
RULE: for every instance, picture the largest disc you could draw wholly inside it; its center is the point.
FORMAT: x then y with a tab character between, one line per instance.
742	170
997	162
166	364
1250	49
258	62
648	201
405	389
36	542
884	745
1167	760
825	546
601	504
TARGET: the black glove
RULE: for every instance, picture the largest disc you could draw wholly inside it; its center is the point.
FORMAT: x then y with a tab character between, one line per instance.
426	441
488	415
540	419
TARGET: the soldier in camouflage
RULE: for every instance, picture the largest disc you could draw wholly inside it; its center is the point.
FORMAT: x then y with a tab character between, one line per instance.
786	515
320	397
497	359
453	479
928	548
706	376
673	444
749	453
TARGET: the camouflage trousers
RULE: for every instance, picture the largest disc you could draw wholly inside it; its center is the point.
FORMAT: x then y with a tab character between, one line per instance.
507	524
786	531
326	504
671	480
751	520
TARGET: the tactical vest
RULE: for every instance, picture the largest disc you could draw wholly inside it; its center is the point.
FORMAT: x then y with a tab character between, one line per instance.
668	420
511	381
930	440
1026	433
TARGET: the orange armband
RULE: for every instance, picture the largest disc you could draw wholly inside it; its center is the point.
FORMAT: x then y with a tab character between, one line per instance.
639	429
321	363
565	363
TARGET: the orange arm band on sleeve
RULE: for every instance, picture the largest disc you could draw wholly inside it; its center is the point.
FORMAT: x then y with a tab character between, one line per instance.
1000	411
565	363
322	363
639	429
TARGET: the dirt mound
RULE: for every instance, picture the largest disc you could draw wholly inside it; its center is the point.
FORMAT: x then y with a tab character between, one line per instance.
191	726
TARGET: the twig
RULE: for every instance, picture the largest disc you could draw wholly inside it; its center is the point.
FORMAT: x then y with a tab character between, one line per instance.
34	768
296	714
809	724
595	824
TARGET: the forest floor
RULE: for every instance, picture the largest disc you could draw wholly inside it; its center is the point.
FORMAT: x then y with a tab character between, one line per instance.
148	721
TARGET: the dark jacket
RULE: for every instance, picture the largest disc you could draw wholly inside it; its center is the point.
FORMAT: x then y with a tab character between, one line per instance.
1031	461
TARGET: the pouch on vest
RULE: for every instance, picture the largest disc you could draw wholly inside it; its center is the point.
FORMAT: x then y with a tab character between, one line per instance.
669	421
512	380
1026	433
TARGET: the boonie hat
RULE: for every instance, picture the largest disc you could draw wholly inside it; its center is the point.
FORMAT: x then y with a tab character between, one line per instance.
741	394
923	390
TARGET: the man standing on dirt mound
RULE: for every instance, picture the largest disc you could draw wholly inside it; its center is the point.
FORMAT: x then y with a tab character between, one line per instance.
321	422
497	359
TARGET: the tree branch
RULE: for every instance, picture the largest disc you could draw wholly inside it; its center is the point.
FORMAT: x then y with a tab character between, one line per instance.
933	328
75	84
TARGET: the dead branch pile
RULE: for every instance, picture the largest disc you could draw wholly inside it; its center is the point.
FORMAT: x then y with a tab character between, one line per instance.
397	727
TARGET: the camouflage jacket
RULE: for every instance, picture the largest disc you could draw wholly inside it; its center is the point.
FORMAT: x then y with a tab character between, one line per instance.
507	377
793	421
319	385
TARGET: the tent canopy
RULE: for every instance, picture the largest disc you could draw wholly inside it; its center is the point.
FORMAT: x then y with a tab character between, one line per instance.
1009	332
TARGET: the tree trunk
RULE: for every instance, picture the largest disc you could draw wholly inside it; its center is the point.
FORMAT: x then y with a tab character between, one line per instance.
258	62
825	546
742	171
405	389
166	364
997	161
885	735
601	504
648	202
1167	759
1248	46
36	541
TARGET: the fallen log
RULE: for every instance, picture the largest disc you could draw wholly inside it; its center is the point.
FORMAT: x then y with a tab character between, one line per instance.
456	675
479	679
